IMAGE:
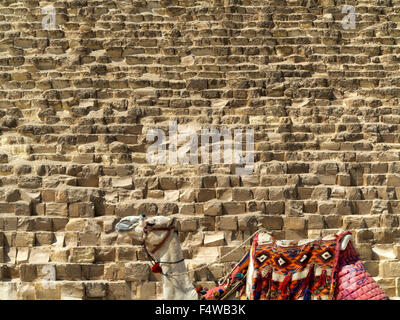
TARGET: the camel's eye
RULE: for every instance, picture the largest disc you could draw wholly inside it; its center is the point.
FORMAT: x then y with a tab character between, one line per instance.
150	223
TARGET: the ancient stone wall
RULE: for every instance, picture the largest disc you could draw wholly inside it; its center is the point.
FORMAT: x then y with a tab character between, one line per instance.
77	100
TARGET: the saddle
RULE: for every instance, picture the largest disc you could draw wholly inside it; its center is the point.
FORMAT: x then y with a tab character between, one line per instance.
299	270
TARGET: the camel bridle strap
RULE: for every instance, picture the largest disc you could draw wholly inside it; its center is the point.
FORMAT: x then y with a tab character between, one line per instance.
147	229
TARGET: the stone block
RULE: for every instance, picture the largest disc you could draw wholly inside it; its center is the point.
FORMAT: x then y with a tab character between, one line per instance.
295	223
241	194
214	239
126	254
72	272
81	210
56	209
137	271
146	291
26	291
8	291
275	207
25	239
72	291
27	272
271	222
188	225
82	255
234	208
118	291
213	208
96	289
227	223
247	223
389	269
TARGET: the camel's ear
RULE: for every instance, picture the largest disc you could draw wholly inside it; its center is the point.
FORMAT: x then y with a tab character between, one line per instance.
173	222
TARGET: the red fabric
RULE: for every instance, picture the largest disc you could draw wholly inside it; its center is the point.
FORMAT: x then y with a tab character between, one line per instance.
354	282
156	268
210	294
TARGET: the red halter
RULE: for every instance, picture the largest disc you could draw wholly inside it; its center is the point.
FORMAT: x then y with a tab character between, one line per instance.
156	265
147	229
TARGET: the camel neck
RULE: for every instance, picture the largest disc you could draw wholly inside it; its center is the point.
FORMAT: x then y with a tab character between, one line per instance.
171	252
175	287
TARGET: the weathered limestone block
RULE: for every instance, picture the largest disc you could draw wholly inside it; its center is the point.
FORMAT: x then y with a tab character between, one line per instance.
396	249
333	221
123	182
92	271
126	254
83	225
389	269
261	194
379	207
2	257
146	291
294	208
47	292
215	239
77	210
26	291
247	223
59	255
27	272
82	255
213	208
315	221
364	235
23	208
8	291
295	223
275	207
233	208
56	209
167	208
187	195
72	291
29	182
12	195
118	291
137	271
271	222
168	183
227	223
25	239
44	238
22	255
188	225
387	285
68	272
365	251
105	254
204	195
96	289
240	194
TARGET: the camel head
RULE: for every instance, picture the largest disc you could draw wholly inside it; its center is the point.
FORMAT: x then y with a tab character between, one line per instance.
152	229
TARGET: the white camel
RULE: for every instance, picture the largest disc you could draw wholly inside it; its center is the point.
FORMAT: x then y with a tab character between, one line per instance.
159	236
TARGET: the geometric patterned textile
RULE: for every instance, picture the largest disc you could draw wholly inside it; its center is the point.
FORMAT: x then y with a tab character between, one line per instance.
292	271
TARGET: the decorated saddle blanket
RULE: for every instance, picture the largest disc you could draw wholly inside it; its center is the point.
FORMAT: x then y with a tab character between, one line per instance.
300	270
290	270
